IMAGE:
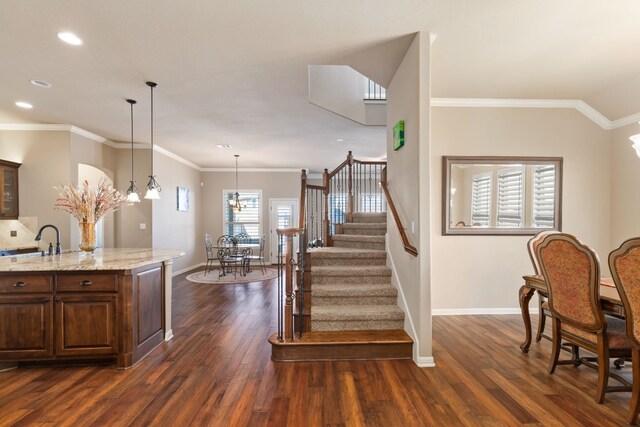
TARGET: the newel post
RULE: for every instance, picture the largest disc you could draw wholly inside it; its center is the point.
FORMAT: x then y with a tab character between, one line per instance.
325	227
303	198
349	187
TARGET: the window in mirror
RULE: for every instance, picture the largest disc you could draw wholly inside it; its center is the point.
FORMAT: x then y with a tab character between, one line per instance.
501	195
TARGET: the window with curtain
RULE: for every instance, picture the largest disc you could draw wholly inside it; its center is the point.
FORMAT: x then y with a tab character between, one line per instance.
510	197
481	199
543	206
248	219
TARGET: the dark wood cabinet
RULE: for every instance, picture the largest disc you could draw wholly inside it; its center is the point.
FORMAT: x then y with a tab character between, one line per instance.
9	190
65	315
86	325
27	327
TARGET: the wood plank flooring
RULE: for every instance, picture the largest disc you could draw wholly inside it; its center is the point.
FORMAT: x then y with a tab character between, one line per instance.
217	371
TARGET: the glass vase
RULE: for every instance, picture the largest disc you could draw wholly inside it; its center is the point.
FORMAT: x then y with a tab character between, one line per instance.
87	236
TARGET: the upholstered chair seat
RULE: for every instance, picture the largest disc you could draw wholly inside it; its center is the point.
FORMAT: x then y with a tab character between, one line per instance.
616	333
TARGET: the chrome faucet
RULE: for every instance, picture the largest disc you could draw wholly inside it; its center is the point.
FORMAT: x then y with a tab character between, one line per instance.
39	237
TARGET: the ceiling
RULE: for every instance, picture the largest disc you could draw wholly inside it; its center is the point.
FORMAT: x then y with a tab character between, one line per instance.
235	72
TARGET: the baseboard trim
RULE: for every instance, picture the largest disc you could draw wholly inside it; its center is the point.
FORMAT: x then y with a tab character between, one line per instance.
425	362
184	270
168	336
473	311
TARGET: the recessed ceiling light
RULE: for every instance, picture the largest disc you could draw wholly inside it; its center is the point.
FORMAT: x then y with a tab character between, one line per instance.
339	140
40	83
70	38
223	146
23	104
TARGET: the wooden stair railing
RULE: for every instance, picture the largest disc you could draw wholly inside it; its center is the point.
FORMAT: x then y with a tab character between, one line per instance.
290	284
351	187
408	247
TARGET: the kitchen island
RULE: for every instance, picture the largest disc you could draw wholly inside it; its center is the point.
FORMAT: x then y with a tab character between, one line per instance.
114	304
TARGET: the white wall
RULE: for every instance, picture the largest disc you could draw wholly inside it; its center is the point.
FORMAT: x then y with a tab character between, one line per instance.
128	219
408	175
485	272
173	229
45	162
625	186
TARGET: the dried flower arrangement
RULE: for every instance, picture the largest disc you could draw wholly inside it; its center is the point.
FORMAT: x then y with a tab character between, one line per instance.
89	204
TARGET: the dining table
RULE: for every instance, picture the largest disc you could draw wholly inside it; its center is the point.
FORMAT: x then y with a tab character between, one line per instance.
609	300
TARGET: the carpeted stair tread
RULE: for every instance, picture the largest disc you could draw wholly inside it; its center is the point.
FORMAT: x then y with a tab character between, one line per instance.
336	252
357	313
357	238
364	228
346	290
368	270
369	217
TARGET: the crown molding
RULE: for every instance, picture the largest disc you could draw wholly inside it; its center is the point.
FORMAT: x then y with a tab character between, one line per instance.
176	157
290	170
584	108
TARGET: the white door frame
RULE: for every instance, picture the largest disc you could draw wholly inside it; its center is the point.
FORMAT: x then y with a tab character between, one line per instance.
273	239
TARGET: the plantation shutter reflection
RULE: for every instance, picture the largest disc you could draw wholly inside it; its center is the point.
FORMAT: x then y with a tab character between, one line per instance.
481	200
510	197
248	219
544	196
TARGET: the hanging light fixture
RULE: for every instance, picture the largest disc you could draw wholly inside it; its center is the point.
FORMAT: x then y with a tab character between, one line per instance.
636	143
235	202
133	194
153	188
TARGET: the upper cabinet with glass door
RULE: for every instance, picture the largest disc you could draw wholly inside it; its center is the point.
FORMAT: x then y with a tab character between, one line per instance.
501	195
9	186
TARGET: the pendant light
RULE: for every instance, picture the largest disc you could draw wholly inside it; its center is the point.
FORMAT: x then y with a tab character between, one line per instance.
133	194
153	188
235	203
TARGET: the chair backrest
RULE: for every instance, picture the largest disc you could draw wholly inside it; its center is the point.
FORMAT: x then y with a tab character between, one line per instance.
243	238
624	264
572	272
208	245
262	239
227	241
533	243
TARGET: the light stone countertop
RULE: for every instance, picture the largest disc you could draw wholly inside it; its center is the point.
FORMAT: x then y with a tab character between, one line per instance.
101	259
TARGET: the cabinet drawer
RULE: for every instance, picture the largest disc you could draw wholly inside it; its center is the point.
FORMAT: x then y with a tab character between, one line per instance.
26	283
87	282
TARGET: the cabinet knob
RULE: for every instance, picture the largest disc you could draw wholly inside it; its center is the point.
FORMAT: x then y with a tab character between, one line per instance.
86	283
19	284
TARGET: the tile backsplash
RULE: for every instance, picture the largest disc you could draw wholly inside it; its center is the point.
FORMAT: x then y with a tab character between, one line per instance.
25	229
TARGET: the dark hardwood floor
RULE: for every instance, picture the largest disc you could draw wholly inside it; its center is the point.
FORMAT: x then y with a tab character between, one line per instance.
217	371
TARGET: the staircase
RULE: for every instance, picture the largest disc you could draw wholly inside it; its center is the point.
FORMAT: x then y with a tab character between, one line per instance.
351	283
337	302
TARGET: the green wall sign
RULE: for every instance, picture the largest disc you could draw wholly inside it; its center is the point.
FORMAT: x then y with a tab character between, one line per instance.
398	135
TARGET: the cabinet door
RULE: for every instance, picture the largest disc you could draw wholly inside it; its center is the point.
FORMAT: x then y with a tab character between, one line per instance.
86	325
9	195
26	327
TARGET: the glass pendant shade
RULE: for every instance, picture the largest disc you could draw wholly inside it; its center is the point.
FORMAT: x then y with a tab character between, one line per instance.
636	143
153	188
133	195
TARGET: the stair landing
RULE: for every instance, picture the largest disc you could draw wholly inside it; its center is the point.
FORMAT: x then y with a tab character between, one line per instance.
343	345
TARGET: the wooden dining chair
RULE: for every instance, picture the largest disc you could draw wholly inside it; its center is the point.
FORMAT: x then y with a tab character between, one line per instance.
624	264
543	305
572	272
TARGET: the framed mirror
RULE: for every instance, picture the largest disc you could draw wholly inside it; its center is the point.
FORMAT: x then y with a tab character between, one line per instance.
501	195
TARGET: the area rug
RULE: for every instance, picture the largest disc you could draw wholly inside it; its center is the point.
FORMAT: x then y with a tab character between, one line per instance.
254	275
